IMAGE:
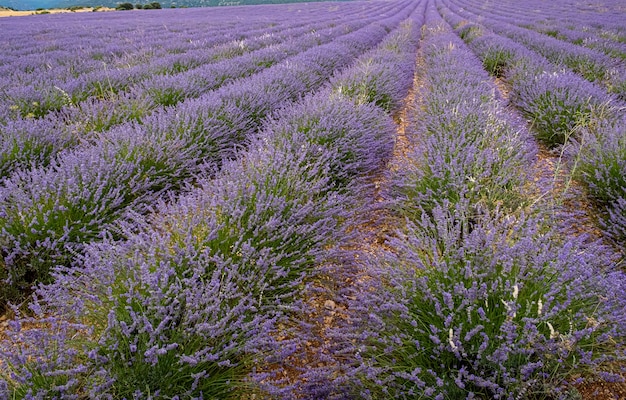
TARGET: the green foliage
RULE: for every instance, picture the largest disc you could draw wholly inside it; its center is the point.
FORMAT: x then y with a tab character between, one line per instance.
560	106
368	87
486	168
469	32
496	60
124	6
602	169
167	96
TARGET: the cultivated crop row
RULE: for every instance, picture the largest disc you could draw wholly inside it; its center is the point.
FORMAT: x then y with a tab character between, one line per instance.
565	110
480	296
575	23
592	65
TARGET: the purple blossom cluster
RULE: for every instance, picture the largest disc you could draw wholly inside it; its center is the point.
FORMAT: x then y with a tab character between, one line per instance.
560	103
384	75
502	308
602	168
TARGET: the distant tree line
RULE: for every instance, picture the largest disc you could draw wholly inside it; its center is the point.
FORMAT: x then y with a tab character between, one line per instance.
128	6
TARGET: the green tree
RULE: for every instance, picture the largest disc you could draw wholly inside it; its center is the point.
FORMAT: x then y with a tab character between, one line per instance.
124	6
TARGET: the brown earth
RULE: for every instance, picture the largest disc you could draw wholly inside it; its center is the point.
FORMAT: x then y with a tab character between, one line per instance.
11	13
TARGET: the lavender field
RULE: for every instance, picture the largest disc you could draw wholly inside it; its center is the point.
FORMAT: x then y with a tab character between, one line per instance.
409	199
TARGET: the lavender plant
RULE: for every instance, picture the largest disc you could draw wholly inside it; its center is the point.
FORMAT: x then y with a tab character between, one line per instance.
602	169
504	309
559	102
496	59
457	168
384	76
360	137
49	213
23	144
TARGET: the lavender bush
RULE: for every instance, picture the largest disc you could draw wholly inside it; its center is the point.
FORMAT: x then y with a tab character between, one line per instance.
48	214
602	169
558	103
384	76
501	308
23	144
358	136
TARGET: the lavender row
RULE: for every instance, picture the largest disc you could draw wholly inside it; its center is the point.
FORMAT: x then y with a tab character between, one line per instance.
580	20
598	161
122	40
565	110
592	65
602	22
82	72
56	58
556	100
601	33
36	141
580	36
42	96
48	214
475	302
36	96
43	93
384	75
465	150
197	293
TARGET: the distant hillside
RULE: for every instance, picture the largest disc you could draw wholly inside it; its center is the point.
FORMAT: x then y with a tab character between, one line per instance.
35	4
